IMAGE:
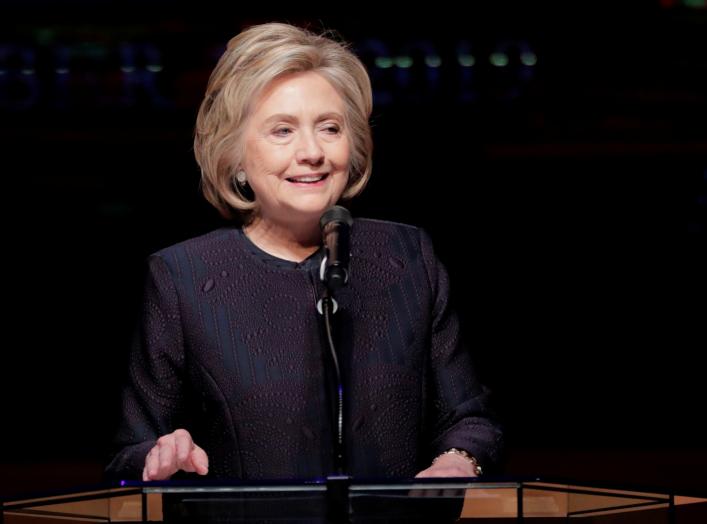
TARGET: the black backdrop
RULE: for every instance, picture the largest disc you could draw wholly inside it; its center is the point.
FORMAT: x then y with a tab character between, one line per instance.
565	191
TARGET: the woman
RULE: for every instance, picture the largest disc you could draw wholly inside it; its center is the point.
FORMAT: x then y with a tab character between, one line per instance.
227	375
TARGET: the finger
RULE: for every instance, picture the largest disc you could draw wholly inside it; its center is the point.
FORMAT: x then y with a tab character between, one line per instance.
152	463
199	460
184	446
167	460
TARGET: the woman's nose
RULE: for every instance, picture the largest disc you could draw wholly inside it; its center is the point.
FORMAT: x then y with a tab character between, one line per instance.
309	150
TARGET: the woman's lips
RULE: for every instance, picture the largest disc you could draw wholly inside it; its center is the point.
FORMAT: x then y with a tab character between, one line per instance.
308	180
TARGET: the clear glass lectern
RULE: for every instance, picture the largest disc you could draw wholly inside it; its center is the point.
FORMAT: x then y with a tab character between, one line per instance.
345	500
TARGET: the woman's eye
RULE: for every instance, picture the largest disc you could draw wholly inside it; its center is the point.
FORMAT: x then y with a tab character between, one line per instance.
282	131
333	130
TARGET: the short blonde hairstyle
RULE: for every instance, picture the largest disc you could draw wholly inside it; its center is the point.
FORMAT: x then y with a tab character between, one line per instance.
252	60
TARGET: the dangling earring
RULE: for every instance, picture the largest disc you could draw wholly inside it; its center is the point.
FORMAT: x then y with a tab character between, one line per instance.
241	177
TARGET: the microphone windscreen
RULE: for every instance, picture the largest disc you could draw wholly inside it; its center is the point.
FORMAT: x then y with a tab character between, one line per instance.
336	214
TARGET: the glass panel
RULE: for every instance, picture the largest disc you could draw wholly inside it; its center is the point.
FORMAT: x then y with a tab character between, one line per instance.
90	506
418	501
594	502
436	501
690	509
544	503
126	508
241	503
581	501
490	502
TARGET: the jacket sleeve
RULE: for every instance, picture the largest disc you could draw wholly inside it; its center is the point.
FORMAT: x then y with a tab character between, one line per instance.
152	396
461	415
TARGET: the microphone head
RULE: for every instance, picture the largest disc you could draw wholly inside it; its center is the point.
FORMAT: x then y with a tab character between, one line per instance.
335	223
336	214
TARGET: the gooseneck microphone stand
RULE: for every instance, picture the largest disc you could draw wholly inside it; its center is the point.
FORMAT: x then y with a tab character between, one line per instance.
335	224
328	308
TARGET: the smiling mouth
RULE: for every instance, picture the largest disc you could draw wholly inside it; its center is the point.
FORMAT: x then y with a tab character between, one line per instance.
307	179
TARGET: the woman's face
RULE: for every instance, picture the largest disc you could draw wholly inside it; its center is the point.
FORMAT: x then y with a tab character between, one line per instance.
297	149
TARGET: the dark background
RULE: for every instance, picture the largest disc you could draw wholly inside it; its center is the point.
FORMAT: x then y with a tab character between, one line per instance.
566	191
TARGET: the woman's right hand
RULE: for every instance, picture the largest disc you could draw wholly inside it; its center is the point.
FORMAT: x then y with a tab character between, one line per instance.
173	452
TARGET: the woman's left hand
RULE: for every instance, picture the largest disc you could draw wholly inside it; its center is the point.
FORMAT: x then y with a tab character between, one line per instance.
449	465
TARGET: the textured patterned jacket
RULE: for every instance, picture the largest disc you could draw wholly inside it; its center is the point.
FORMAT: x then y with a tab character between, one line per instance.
230	347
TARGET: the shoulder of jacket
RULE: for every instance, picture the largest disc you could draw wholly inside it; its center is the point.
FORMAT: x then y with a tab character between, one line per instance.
408	244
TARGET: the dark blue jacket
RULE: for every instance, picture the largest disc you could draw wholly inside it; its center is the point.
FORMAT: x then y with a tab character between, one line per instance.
230	347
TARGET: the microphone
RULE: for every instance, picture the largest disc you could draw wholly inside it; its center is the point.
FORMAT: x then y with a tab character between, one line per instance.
335	223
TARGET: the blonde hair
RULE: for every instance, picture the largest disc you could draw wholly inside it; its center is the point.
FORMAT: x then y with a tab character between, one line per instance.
252	60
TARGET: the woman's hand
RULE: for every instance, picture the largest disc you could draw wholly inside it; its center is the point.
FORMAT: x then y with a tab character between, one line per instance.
449	465
173	452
